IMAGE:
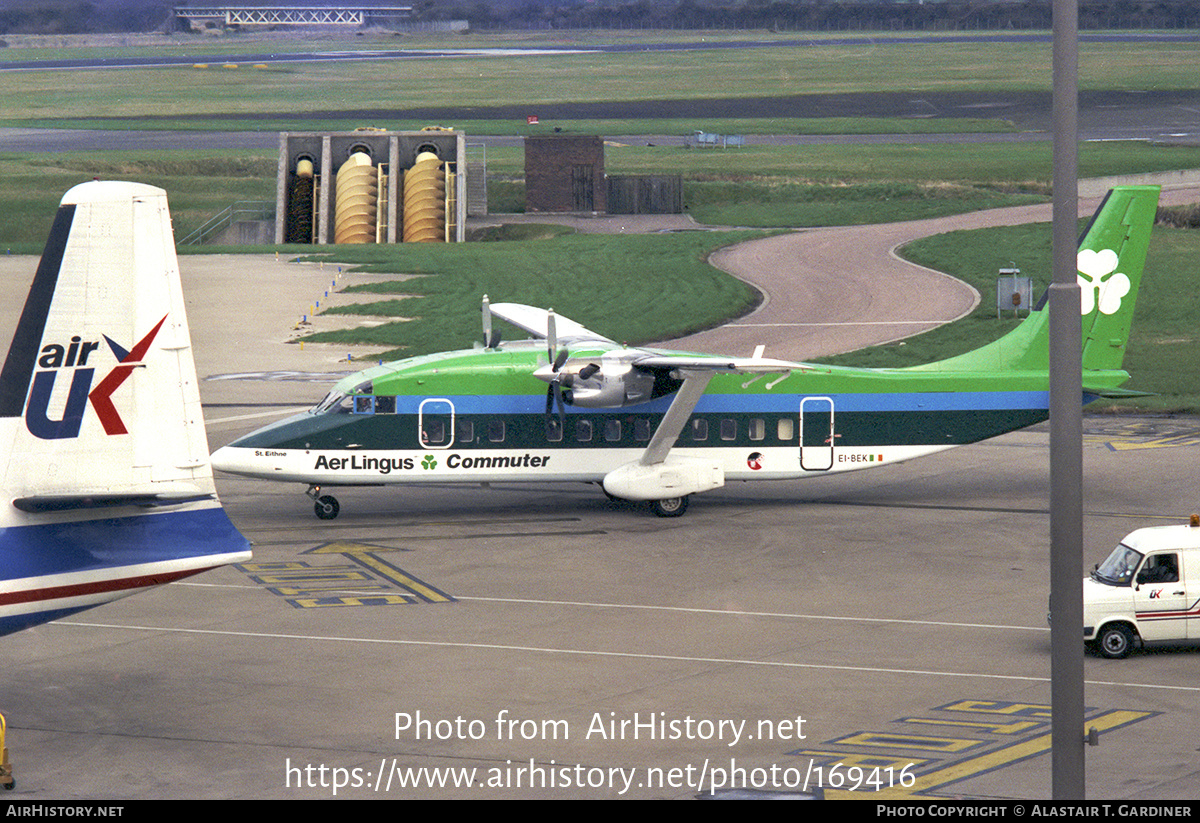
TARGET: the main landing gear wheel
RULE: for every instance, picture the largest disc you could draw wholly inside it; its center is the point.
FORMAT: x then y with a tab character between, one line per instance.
670	506
326	507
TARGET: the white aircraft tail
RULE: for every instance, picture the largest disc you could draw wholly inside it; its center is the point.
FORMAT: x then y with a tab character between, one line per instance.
103	455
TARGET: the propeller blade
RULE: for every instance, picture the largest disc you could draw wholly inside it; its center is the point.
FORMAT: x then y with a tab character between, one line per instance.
562	358
551	335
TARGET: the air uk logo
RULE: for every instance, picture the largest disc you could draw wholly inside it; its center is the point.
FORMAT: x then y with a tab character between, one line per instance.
74	356
1100	282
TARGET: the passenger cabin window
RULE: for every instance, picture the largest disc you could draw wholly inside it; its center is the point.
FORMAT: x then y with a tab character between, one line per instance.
728	428
785	430
758	428
612	430
495	431
554	430
434	431
464	431
699	428
583	430
641	429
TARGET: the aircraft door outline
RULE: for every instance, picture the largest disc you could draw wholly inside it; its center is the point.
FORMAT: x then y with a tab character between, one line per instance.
435	423
816	433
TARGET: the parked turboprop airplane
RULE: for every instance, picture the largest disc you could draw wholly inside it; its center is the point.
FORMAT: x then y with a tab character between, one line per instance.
659	426
105	462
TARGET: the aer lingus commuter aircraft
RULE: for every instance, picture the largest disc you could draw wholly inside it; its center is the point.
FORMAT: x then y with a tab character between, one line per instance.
658	426
103	456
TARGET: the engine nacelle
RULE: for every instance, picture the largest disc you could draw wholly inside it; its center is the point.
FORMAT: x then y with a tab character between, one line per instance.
674	477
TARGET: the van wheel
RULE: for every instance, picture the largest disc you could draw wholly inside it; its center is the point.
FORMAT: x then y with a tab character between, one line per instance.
1115	641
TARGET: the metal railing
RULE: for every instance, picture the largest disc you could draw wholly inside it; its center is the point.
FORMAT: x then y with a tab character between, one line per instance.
239	211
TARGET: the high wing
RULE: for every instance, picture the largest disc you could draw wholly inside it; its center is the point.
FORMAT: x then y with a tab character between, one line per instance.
693	370
544	323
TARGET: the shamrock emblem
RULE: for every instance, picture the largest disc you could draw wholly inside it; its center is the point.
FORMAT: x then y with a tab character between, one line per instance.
427	462
1098	287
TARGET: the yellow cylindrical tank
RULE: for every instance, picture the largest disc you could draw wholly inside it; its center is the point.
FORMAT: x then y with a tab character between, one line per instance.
357	201
425	201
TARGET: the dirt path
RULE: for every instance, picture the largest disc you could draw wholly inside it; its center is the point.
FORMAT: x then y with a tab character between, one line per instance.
835	290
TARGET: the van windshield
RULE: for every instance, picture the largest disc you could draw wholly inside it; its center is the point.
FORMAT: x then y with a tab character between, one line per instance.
1118	569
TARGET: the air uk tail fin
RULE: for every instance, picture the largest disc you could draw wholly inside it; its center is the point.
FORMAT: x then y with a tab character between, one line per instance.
1111	256
100	418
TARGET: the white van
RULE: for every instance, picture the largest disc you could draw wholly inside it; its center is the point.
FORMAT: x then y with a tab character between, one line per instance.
1147	590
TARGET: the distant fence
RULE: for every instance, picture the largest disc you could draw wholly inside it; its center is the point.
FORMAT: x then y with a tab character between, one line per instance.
645	194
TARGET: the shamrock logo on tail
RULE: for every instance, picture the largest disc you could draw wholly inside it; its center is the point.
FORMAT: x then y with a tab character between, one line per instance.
1098	287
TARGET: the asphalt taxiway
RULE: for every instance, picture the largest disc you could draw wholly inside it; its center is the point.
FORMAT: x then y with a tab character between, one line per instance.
884	629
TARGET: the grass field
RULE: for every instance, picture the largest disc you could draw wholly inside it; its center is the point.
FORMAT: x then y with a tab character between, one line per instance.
763	186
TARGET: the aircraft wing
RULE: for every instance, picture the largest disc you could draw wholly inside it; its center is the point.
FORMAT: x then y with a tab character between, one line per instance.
536	322
729	365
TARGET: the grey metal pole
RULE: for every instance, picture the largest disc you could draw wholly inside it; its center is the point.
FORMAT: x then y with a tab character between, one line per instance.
1066	424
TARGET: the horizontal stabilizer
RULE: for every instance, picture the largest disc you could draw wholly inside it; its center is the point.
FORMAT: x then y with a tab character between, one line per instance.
101	500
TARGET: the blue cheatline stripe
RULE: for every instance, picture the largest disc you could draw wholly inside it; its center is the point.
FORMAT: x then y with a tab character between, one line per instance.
94	545
14	378
763	403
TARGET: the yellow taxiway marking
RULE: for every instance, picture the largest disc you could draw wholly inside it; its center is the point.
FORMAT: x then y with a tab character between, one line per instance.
1106	721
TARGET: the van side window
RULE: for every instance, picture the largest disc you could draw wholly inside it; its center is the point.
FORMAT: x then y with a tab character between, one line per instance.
1160	568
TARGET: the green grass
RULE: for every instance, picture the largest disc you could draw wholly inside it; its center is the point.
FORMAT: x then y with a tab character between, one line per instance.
1161	356
636	288
221	96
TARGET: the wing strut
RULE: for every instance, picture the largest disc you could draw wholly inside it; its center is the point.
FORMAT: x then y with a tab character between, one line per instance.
681	408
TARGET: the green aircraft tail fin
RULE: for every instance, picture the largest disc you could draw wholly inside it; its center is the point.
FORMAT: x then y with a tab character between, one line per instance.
1112	254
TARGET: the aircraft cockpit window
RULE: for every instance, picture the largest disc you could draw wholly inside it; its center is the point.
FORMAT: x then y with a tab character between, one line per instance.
334	403
385	404
364	404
